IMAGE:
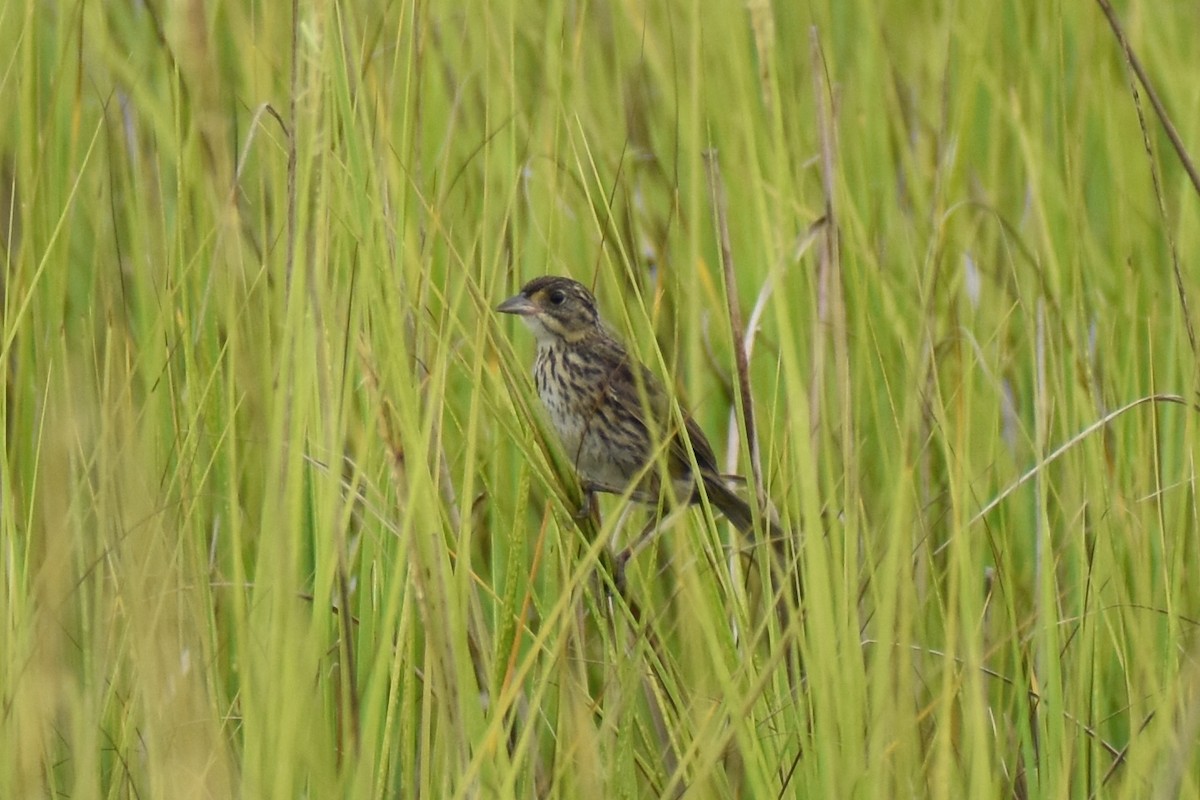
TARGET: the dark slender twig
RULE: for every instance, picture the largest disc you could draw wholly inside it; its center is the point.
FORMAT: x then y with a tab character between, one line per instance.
781	575
348	670
720	206
1120	757
1159	108
1156	180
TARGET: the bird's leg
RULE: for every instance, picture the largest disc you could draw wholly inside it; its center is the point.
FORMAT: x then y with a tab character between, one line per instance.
645	537
588	508
628	552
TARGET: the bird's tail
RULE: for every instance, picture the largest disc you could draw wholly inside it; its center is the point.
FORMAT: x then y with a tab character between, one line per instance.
735	509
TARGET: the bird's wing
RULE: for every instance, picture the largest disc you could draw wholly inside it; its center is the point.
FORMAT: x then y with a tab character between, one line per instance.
637	396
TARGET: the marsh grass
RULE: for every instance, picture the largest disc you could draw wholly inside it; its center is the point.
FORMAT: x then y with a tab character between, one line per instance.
281	519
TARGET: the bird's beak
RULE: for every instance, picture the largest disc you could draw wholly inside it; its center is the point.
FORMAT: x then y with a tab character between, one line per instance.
517	304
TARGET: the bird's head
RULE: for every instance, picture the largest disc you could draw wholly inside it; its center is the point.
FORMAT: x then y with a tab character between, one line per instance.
555	309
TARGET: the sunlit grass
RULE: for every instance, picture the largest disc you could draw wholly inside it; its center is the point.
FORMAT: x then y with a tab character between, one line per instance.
280	516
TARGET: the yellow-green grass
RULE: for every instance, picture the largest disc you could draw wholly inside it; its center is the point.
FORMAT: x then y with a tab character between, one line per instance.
279	518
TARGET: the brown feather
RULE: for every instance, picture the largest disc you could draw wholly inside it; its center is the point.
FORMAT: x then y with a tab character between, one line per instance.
611	413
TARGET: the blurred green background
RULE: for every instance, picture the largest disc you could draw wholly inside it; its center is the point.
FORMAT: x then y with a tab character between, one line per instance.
278	514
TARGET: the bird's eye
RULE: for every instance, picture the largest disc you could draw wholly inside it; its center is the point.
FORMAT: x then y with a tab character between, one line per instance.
557	297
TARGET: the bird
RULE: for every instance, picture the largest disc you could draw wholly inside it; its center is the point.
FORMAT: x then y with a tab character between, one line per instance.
612	415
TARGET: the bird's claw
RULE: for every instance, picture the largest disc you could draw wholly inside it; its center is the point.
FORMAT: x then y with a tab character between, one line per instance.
585	508
620	561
